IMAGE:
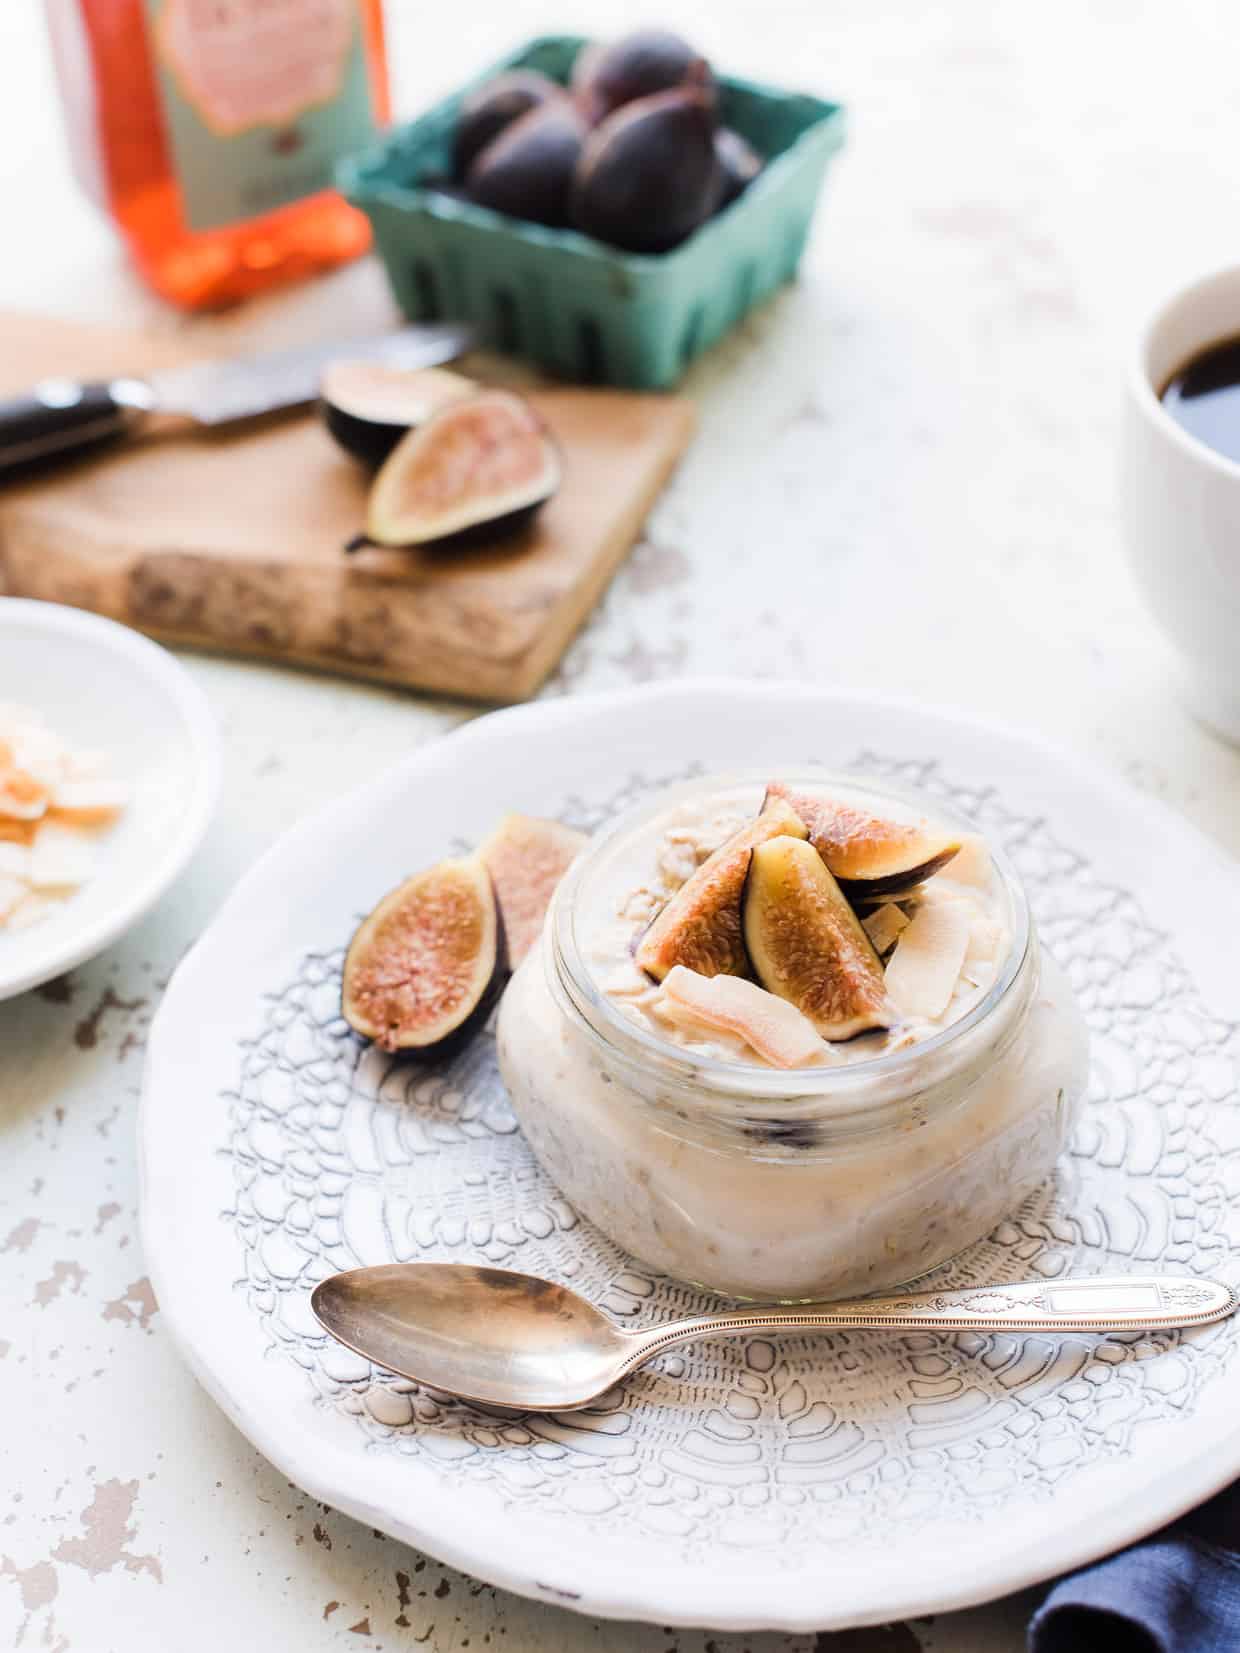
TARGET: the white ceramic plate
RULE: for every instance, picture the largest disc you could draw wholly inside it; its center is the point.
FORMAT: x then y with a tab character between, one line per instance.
809	1483
103	686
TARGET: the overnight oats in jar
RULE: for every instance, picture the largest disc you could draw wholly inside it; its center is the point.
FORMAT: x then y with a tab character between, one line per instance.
792	1040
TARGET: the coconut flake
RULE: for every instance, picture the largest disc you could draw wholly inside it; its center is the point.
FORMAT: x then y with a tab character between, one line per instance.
776	1030
971	863
32	909
929	956
39	752
12	894
62	857
884	926
985	934
89	801
15	861
23	797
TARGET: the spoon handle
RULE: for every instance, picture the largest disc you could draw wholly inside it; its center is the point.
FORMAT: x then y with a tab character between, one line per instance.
1091	1303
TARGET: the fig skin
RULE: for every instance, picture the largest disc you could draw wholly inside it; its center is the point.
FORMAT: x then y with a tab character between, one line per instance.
636	66
527	171
424	967
526	857
445	481
648	175
806	944
869	856
739	164
700	926
494	105
368	406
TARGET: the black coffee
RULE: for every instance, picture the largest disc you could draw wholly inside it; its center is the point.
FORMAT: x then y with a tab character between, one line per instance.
1204	397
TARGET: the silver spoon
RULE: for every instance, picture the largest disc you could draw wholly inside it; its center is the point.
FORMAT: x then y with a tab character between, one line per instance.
513	1340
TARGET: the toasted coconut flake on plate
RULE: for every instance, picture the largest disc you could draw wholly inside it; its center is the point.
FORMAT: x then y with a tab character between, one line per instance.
88	801
23	797
12	894
929	956
33	908
15	861
61	858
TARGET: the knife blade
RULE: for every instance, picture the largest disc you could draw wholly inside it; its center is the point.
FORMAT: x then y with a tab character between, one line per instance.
63	417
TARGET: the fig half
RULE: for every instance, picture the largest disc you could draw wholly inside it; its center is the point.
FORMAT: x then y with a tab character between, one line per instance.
494	105
700	927
527	857
483	462
648	175
806	944
640	64
368	406
870	856
427	961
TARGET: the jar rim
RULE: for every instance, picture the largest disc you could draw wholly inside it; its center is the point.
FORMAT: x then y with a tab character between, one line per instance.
737	1080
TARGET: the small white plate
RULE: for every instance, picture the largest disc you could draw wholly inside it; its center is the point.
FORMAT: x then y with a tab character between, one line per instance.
793	1484
100	685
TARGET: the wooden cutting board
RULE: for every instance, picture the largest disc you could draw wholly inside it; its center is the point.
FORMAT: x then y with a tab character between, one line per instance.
233	541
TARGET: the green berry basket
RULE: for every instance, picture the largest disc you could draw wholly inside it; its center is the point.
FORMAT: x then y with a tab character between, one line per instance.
578	308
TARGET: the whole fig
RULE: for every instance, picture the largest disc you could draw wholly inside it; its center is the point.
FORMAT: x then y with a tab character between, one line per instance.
495	104
527	171
642	63
648	176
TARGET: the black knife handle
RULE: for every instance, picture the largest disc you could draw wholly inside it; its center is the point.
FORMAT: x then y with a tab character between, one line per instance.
60	418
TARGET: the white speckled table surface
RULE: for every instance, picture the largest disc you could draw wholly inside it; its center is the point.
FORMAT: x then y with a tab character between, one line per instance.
904	481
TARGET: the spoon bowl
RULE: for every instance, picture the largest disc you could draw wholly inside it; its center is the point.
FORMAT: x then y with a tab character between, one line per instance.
513	1340
486	1334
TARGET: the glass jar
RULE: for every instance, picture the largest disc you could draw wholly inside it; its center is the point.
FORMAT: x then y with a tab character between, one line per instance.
819	1182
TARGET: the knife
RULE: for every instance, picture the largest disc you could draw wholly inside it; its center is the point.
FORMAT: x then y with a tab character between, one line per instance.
65	417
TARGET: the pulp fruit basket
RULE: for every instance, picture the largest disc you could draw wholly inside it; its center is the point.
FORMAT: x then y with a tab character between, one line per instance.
579	308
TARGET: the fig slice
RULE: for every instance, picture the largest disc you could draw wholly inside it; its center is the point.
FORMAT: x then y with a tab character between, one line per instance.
867	854
526	857
806	944
428	959
778	1031
485	461
929	956
369	406
700	927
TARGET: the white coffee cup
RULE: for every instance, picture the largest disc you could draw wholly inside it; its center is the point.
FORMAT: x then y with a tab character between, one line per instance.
1181	503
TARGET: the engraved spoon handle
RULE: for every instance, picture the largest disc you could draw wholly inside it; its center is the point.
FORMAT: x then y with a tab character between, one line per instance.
1090	1303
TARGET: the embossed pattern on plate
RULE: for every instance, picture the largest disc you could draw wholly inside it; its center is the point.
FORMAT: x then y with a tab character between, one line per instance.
752	1456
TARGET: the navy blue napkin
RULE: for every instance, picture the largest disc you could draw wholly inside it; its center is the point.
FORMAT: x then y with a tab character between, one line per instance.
1178	1592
